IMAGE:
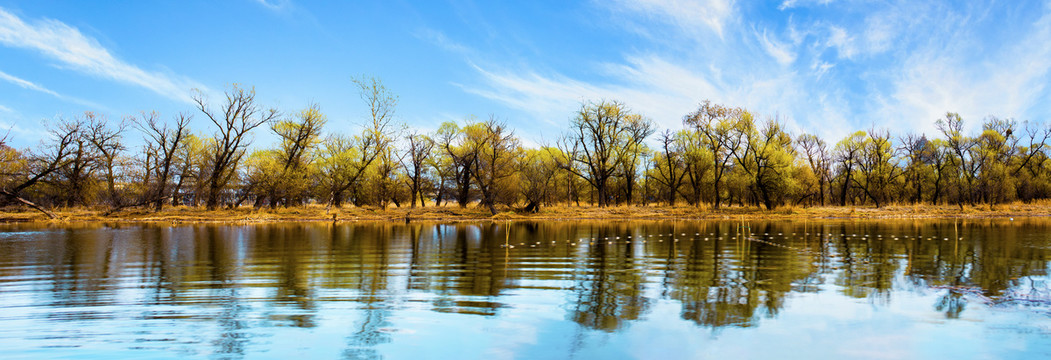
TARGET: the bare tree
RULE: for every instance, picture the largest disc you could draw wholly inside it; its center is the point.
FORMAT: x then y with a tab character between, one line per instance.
1037	140
165	140
961	146
537	169
599	131
916	150
380	128
55	156
817	154
461	156
343	161
76	176
381	131
234	120
496	149
669	172
107	144
638	129
298	134
847	153
444	169
419	153
877	166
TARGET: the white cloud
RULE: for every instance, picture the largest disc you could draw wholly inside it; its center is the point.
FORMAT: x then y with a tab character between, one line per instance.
892	68
439	39
880	33
788	4
779	51
689	15
76	51
1008	83
657	88
26	84
820	68
844	43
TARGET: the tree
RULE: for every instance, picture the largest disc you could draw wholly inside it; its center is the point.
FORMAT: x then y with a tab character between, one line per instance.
239	116
638	129
55	156
877	166
263	178
819	160
668	166
538	171
847	153
601	133
342	162
720	128
107	144
918	153
76	178
381	133
994	150
461	155
767	157
192	160
164	141
697	162
299	135
443	166
1032	183
496	149
961	160
419	153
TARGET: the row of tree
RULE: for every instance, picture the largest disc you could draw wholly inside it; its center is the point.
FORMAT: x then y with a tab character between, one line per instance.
610	155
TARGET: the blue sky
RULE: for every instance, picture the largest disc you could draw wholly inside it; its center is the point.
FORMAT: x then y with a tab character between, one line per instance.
825	66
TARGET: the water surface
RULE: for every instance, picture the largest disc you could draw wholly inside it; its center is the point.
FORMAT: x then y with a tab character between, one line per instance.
550	290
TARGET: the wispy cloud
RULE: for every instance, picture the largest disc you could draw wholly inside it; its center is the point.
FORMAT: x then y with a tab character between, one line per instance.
778	50
842	42
1009	82
691	16
274	5
78	52
827	72
649	85
20	135
439	39
788	4
26	84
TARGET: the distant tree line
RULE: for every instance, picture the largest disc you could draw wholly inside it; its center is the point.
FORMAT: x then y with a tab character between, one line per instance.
722	156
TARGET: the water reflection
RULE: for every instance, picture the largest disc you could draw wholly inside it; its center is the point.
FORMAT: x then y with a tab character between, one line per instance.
226	288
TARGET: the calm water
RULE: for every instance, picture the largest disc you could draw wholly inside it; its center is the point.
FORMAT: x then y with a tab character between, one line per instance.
586	290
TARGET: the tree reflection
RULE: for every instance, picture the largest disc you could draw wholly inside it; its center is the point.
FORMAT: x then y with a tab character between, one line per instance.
372	245
239	279
609	288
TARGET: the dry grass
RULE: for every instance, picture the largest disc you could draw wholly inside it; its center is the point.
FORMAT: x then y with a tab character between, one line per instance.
563	212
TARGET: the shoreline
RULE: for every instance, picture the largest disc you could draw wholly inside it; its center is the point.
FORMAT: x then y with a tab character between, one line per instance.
313	213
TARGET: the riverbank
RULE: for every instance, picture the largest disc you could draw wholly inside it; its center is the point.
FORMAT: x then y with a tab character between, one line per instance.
471	213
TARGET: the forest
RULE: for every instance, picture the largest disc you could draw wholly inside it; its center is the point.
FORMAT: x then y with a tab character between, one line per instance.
722	156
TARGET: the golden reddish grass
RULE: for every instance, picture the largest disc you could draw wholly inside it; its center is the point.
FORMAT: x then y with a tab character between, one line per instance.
561	212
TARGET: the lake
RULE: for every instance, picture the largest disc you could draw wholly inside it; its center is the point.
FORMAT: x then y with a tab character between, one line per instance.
869	289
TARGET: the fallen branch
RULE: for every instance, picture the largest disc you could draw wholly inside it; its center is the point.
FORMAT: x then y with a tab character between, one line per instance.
28	203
